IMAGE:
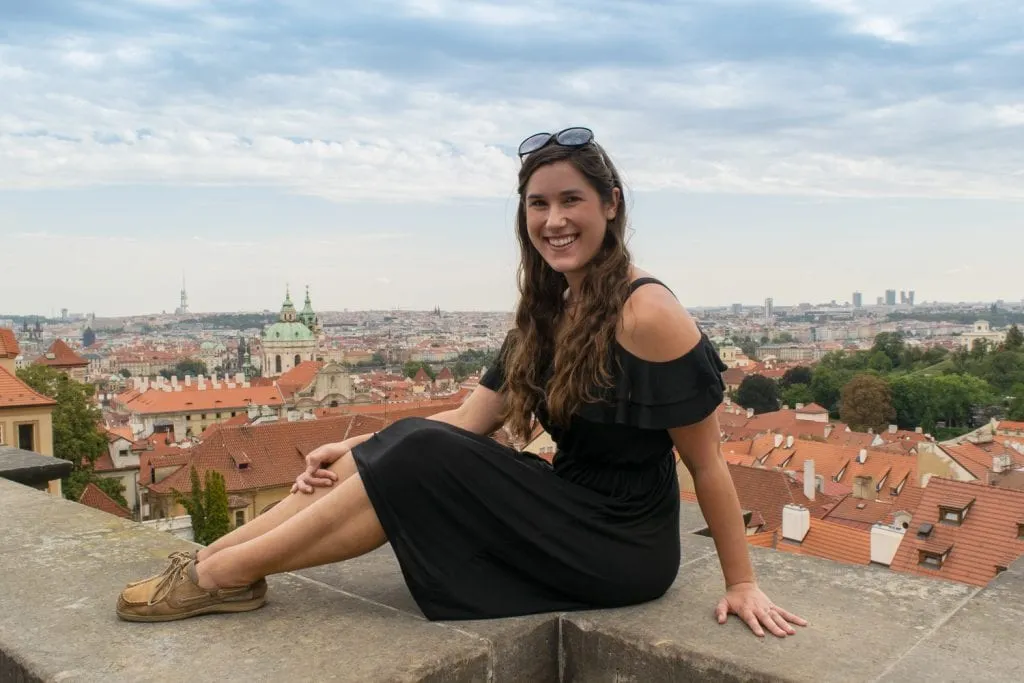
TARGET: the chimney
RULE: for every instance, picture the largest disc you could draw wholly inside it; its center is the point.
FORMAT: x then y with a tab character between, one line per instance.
778	440
828	429
885	540
871	430
188	380
809	480
892	429
998	463
253	411
789	441
919	430
750	413
862	456
796	522
174	381
799	406
239	378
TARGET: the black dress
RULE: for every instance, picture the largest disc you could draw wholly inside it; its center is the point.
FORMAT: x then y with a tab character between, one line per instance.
482	530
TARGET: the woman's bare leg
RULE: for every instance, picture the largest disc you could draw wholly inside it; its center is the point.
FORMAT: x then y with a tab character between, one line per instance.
339	525
344	468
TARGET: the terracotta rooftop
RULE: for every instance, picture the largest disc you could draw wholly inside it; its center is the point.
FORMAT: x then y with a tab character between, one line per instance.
768	491
8	343
60	355
988	538
94	497
812	409
825	539
299	377
156	402
15	393
253	457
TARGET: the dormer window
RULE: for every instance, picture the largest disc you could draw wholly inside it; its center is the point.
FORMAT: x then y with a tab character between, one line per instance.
954	514
932	556
1020	531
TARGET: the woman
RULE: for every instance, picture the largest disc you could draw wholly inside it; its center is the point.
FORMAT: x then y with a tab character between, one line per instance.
610	365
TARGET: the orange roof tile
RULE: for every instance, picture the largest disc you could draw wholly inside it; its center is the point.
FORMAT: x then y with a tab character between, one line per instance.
987	538
299	377
826	540
8	343
768	491
14	392
60	355
154	402
94	497
273	453
812	409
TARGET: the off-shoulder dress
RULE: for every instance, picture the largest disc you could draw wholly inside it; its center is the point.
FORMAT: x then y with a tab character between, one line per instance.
482	530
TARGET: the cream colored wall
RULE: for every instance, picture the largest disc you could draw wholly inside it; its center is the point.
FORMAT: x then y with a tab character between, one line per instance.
42	418
543	444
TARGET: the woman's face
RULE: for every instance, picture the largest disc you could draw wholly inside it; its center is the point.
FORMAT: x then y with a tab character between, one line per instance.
565	217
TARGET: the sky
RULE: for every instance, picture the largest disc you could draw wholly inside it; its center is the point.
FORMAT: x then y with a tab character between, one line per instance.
798	149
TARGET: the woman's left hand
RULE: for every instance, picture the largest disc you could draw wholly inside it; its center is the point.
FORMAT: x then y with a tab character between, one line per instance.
746	601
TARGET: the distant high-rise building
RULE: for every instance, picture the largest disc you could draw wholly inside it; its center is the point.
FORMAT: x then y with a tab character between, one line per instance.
64	314
858	300
890	297
769	309
910	297
737	309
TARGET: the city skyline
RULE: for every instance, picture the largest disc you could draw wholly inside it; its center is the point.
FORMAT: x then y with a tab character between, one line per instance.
369	152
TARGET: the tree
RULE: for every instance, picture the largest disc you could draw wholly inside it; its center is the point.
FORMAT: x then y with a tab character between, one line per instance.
797	393
208	507
125	372
748	346
1014	339
758	392
76	435
979	348
827	385
880	362
801	374
1015	411
783	338
866	401
88	337
218	522
190	366
891	344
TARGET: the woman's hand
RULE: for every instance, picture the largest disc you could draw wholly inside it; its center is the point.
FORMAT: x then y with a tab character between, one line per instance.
316	472
746	601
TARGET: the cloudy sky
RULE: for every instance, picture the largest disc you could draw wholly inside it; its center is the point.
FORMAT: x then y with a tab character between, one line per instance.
799	149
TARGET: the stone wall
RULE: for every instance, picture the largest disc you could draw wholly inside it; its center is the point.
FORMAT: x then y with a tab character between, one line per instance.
63	565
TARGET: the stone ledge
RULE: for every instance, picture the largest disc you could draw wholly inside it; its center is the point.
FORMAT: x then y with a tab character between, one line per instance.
63	565
31	469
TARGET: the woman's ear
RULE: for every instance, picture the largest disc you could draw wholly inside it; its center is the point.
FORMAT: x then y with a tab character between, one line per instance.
612	210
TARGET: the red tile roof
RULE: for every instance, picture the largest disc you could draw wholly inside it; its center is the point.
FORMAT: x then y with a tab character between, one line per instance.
299	377
812	409
825	539
768	491
987	538
273	453
60	355
8	343
154	402
94	497
15	393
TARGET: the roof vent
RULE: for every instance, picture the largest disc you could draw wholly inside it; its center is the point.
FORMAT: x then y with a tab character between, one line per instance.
925	530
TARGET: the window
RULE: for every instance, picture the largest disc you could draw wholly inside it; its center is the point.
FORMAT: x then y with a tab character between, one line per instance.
931	558
1020	531
950	514
27	437
239	517
298	359
203	416
277	364
2	442
218	416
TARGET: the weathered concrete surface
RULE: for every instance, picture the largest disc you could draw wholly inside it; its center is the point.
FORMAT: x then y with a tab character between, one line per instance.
981	643
62	566
31	469
861	620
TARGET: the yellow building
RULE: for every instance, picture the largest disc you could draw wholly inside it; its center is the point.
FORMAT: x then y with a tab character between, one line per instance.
26	416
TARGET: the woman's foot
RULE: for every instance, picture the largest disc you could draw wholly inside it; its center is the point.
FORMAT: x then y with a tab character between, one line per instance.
176	594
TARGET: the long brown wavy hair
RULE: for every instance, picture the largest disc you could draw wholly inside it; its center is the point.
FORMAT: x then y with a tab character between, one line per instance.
579	346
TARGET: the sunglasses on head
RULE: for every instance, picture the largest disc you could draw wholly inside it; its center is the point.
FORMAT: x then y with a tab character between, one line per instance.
570	137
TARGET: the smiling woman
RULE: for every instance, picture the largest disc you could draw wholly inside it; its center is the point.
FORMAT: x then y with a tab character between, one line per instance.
604	358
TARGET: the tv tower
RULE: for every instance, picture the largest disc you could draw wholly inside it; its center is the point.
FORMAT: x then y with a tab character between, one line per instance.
183	307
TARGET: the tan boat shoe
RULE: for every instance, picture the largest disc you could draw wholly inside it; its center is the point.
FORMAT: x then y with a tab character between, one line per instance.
176	594
177	559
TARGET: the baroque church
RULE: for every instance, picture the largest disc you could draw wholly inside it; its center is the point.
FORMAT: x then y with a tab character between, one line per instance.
292	339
